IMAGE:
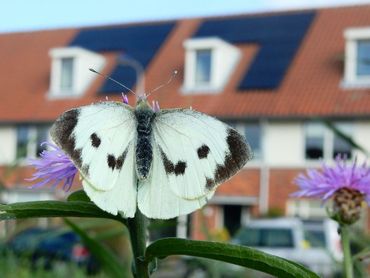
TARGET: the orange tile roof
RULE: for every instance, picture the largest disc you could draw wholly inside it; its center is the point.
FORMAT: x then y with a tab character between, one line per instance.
311	86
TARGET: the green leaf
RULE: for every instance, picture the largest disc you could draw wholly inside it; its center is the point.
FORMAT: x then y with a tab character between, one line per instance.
106	258
79	195
235	254
54	209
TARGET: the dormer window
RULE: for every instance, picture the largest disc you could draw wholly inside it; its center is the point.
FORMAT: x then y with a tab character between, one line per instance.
209	62
357	58
66	75
70	76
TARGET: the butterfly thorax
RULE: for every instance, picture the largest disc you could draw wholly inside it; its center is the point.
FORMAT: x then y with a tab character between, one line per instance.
144	151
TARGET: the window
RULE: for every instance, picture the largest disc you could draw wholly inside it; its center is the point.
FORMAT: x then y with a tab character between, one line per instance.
266	237
357	58
209	63
22	142
203	66
69	76
341	146
66	75
314	141
29	139
252	132
42	134
324	143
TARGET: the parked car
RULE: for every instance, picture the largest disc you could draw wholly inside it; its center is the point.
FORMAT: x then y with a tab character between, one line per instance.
324	233
285	237
48	246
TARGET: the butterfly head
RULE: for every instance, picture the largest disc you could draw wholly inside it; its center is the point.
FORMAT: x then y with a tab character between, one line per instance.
142	103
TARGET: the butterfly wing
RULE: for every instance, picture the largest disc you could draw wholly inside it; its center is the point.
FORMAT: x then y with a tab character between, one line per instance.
192	154
99	139
157	200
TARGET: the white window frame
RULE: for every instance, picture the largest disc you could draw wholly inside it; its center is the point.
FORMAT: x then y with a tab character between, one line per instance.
351	79
224	58
82	78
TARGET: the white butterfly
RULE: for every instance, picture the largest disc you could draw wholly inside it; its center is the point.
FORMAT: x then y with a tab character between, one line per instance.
169	162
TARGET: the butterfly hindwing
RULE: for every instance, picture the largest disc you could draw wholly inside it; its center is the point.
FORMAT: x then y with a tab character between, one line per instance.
198	152
100	139
157	200
123	194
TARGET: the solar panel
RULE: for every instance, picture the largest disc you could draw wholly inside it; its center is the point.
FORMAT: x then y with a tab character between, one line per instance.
140	42
279	37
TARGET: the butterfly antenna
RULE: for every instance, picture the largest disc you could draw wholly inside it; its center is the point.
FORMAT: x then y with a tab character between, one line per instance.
111	79
174	73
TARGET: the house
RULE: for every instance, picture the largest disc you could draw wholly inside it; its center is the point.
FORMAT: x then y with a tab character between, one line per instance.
276	77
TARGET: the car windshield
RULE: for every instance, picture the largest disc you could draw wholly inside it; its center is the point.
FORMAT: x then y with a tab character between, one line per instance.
315	237
265	237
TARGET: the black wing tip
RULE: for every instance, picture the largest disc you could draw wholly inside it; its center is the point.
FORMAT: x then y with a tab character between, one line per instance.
239	149
236	157
62	134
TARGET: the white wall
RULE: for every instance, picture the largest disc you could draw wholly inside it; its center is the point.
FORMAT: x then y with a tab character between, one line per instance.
8	144
283	144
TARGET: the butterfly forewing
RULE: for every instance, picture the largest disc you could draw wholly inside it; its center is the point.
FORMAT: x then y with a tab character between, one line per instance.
100	139
198	151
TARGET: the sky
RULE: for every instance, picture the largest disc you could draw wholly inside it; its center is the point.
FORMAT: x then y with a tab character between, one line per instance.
26	15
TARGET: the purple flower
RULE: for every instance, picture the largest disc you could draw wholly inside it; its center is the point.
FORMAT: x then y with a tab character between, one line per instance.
53	167
155	106
124	98
325	182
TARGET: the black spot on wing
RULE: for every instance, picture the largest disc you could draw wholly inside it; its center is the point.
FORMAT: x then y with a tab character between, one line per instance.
95	140
168	165
111	160
119	163
210	183
121	159
180	168
170	168
235	158
203	151
61	133
116	163
85	170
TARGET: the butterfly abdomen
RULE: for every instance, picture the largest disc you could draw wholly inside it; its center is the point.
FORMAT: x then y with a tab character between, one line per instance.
144	149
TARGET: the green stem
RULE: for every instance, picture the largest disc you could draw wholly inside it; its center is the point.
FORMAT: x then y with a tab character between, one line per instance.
138	234
347	258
